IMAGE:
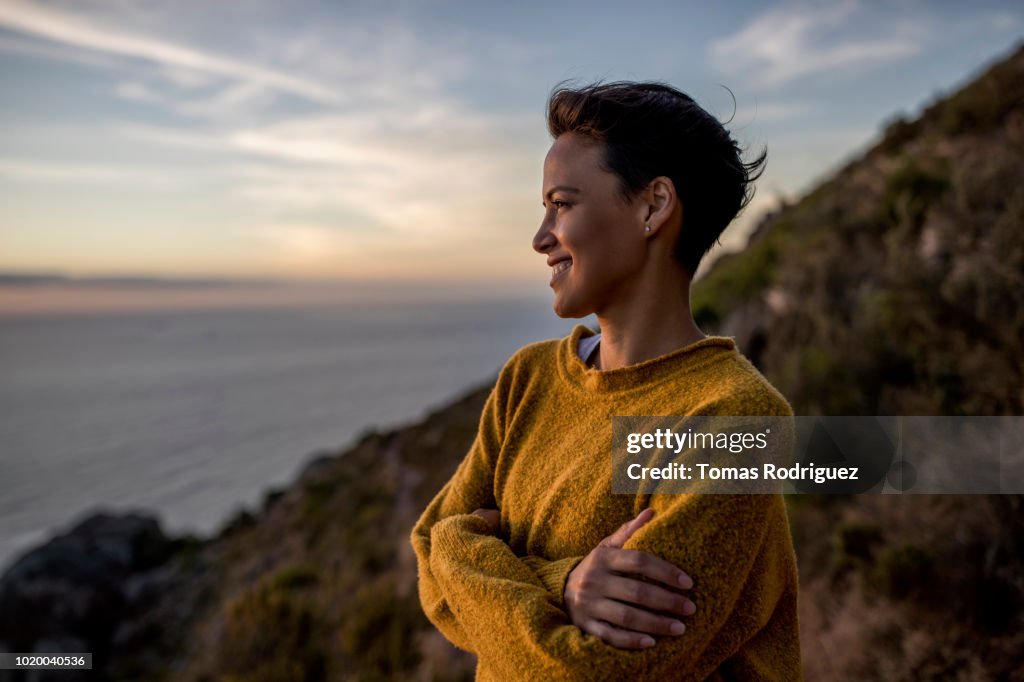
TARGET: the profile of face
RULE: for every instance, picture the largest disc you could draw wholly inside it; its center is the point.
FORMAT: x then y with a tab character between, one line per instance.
593	238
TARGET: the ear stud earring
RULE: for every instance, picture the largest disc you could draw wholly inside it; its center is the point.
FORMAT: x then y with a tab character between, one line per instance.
647	229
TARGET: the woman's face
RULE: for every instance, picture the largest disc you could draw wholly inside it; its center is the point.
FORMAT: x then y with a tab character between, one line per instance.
590	234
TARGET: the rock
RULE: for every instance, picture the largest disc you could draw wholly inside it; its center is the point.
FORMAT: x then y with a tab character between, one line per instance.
317	464
73	588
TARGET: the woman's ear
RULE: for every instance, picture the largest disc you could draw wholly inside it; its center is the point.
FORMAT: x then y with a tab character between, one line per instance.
661	202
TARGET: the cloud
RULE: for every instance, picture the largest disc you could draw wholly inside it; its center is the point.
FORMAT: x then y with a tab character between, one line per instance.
74	173
792	42
233	102
1004	21
27	46
137	92
303	242
69	29
334	64
392	162
436	168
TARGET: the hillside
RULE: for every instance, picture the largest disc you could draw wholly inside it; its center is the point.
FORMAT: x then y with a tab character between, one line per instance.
892	288
896	287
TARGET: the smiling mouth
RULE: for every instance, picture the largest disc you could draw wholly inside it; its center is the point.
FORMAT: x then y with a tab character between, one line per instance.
560	268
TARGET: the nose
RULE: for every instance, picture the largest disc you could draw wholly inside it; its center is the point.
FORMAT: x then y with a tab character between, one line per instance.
544	240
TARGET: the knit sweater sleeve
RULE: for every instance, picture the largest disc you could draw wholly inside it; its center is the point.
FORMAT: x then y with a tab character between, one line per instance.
471	488
733	546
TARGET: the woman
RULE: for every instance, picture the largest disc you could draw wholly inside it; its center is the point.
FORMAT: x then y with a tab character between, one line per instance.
526	558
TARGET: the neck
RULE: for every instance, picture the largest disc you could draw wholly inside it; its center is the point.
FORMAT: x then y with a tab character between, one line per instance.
641	327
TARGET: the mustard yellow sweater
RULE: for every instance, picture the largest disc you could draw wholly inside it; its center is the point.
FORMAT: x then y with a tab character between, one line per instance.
542	456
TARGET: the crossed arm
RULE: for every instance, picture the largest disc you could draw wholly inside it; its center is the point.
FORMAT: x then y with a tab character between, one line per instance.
511	611
614	593
501	607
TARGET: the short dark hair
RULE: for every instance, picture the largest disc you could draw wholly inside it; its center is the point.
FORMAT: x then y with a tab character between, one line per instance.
650	129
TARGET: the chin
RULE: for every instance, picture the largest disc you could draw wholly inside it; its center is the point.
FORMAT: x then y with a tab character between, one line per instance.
565	308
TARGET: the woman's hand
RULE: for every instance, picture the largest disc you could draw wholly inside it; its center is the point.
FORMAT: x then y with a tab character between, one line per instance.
492	517
621	609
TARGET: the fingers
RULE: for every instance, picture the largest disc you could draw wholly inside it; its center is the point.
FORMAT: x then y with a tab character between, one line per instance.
621	639
634	525
649	596
491	516
626	530
628	617
648	565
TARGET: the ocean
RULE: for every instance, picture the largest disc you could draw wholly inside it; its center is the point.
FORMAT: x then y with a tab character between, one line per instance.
195	413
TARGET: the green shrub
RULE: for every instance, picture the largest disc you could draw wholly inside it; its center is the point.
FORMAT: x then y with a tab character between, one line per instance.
980	107
897	133
380	629
243	518
903	571
912	189
857	541
269	635
296	578
734	279
272	497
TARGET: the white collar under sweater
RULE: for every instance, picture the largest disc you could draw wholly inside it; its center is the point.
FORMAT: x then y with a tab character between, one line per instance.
587	346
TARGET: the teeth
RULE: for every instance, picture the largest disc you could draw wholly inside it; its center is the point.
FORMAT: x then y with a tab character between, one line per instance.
559	267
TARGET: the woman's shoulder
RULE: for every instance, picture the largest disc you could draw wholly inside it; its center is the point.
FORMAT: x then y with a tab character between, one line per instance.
735	386
530	359
536	351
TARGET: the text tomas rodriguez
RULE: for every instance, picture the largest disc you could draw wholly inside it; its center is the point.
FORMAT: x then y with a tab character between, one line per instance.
703	471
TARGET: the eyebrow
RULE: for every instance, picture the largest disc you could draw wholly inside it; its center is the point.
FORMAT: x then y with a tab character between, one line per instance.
560	188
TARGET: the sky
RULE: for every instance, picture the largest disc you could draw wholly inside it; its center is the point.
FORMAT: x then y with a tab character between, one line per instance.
404	141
